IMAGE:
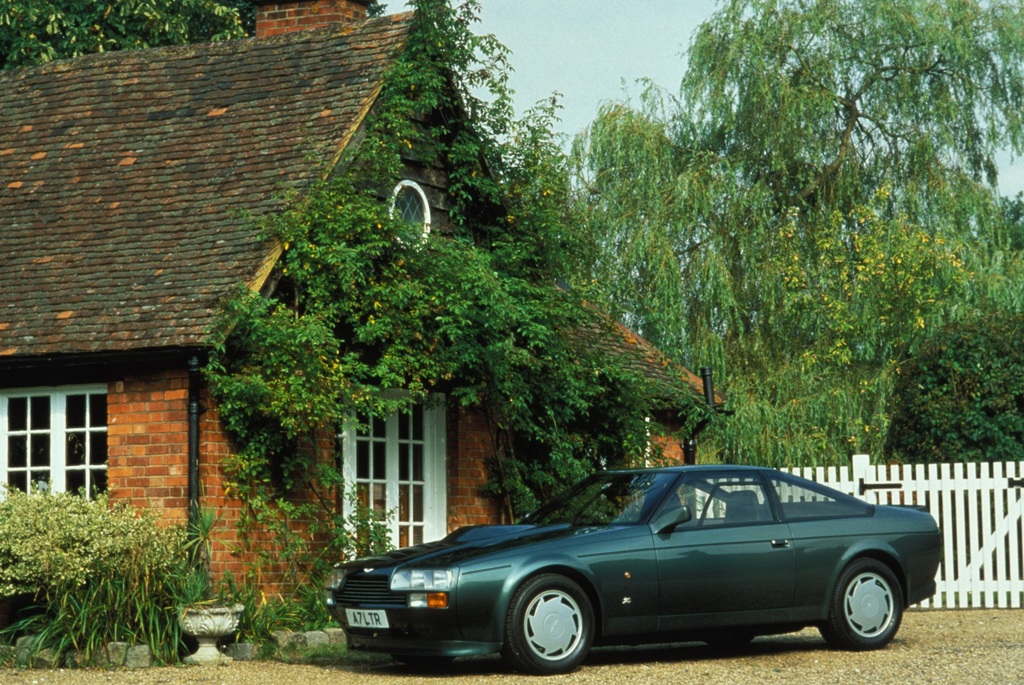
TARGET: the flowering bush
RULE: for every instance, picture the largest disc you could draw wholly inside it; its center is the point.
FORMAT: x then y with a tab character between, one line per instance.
97	572
62	541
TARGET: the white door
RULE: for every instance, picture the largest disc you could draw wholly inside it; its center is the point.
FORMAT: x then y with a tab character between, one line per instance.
397	466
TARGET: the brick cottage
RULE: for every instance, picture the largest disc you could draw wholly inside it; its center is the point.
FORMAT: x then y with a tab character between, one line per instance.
128	184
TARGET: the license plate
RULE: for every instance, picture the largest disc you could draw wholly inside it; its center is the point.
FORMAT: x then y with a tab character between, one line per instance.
366	618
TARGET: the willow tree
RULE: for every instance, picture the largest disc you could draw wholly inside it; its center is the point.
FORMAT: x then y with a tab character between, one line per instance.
819	195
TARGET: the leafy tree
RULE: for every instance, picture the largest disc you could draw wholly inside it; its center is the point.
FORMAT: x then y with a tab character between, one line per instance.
39	31
961	398
818	196
1013	209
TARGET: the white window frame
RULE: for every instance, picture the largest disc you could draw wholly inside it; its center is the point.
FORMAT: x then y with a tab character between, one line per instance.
406	183
57	431
435	494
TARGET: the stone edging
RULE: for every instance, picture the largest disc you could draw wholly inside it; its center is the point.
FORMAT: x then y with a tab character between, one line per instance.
124	655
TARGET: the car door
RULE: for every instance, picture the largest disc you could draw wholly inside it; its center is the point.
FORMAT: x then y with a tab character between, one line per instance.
733	555
822	523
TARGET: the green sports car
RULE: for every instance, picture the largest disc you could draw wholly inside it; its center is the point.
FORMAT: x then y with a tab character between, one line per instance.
713	553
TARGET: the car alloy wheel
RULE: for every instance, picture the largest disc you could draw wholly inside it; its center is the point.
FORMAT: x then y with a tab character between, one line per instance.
866	609
868	605
550	626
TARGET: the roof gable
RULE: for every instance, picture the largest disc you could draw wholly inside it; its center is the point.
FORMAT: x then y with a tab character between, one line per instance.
126	179
670	379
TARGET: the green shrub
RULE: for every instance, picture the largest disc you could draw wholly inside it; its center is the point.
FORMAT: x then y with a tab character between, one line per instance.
961	399
97	572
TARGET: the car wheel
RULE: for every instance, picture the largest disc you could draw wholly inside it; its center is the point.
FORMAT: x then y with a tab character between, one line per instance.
866	608
549	627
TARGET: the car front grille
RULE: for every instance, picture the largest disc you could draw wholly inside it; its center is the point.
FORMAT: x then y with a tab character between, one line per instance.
368	590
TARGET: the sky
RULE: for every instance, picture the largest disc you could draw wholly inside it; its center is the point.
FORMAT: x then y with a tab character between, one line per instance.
595	51
592	51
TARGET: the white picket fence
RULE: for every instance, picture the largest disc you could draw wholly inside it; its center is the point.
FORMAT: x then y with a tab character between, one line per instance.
980	509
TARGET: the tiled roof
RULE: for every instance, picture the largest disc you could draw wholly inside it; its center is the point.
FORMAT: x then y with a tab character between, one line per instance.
631	351
126	179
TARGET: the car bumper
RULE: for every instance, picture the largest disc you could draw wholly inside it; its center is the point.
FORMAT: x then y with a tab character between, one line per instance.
922	592
398	645
415	632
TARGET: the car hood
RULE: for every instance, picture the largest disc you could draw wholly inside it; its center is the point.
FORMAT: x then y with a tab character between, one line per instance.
471	542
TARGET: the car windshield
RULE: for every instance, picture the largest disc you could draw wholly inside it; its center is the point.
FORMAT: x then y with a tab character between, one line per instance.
606	498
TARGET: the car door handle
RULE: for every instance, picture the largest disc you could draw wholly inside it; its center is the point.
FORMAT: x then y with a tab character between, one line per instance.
780	544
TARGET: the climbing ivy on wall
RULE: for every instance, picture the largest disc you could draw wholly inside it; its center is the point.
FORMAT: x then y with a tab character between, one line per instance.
475	315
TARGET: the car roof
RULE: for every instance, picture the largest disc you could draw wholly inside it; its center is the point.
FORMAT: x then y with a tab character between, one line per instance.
693	468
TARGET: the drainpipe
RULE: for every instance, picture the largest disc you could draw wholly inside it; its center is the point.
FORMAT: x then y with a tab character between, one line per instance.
709	386
195	410
690	444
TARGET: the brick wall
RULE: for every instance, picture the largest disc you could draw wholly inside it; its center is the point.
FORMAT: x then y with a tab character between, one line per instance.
470	450
214	447
274	18
671	447
147	442
147	463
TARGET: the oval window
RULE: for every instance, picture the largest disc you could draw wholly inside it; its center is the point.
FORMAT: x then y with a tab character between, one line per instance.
410	205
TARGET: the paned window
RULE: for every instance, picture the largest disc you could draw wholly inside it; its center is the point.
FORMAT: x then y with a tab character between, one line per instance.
397	466
54	439
409	203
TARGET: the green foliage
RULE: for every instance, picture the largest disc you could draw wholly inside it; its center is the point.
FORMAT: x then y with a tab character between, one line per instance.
98	573
366	531
302	610
865	287
961	398
1013	210
40	31
63	540
818	197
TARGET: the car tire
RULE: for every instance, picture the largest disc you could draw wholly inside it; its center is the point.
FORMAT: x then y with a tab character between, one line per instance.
866	607
549	627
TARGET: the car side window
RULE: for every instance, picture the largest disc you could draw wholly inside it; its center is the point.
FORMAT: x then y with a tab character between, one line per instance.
804	500
720	500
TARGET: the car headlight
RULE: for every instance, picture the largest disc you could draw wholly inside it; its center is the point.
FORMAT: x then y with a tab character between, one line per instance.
426	579
336	579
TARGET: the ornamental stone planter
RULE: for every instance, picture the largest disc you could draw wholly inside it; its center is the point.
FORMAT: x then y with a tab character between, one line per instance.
208	624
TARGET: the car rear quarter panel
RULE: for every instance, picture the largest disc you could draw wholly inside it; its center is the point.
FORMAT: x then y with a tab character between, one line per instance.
905	540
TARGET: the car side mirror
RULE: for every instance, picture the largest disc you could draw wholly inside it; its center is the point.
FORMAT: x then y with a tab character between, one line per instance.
668	520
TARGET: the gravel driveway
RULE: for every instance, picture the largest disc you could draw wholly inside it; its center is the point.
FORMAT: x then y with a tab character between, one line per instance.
964	647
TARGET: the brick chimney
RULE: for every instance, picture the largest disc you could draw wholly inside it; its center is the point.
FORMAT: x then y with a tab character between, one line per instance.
274	17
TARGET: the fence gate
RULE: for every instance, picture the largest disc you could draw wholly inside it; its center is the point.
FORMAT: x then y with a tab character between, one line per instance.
980	509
